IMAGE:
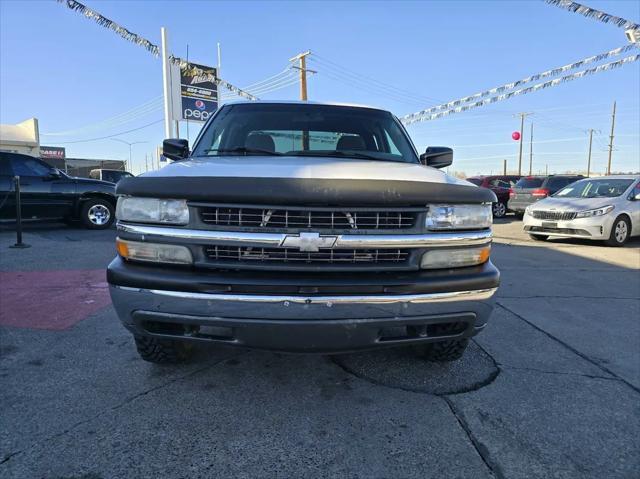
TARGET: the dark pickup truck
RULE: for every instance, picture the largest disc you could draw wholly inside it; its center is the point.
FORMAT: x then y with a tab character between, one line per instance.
302	227
48	193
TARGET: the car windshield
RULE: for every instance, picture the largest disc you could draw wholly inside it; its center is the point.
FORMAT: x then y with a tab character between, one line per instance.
530	182
305	130
597	188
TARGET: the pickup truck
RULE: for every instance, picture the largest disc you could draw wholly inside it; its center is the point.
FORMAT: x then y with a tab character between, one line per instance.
306	228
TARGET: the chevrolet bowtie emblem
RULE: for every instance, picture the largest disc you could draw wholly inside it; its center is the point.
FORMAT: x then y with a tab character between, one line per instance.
310	242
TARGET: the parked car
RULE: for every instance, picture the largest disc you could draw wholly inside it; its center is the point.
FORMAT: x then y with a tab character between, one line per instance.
531	189
48	193
112	176
606	208
500	185
302	227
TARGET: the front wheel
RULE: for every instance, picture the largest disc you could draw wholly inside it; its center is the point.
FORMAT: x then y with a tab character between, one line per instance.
499	210
97	214
162	351
619	232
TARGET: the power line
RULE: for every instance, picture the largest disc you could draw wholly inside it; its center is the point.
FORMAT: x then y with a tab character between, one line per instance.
112	136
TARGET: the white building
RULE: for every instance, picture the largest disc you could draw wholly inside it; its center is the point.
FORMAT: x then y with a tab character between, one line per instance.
21	138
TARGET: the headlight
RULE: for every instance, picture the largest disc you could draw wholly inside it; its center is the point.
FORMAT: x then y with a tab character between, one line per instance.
455	258
153	252
597	212
152	210
459	217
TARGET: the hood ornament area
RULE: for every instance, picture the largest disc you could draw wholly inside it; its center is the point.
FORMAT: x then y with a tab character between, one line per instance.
309	242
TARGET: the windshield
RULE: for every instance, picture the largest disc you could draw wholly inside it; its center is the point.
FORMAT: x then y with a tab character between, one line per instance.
530	182
600	188
305	130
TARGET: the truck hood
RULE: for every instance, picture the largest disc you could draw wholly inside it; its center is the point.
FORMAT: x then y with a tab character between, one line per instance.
303	181
304	167
572	204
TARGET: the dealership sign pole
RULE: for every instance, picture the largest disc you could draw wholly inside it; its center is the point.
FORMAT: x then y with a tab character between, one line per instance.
166	85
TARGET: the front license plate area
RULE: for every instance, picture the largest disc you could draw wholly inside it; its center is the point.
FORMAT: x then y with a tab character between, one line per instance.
547	224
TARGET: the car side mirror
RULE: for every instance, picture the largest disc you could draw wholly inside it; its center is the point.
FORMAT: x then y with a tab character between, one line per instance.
437	157
175	148
635	197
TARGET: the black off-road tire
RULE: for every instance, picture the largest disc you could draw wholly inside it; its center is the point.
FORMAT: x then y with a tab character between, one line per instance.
162	351
539	237
90	210
615	237
443	351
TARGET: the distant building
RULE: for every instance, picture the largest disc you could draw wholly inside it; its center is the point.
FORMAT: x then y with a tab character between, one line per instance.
21	138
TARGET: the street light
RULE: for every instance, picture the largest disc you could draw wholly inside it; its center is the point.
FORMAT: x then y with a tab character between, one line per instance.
129	165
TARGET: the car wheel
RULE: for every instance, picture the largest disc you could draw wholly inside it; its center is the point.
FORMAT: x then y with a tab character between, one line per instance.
499	210
619	232
443	351
539	237
97	214
162	351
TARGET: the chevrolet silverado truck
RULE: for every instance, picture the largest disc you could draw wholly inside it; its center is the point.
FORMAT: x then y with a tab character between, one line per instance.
304	228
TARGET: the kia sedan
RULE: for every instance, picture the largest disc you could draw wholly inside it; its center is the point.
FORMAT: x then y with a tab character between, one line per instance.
606	208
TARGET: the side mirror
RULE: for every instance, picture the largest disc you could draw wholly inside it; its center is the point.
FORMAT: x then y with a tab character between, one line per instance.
437	157
54	174
175	148
635	196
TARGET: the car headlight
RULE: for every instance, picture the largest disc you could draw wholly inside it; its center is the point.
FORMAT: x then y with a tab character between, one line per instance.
153	252
597	212
152	210
455	258
459	217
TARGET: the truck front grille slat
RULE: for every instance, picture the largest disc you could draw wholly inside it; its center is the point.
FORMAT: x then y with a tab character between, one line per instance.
554	215
248	254
306	219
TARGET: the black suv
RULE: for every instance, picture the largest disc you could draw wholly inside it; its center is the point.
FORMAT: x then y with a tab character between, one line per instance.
48	193
530	189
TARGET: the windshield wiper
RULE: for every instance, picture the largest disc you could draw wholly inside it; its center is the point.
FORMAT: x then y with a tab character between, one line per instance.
242	149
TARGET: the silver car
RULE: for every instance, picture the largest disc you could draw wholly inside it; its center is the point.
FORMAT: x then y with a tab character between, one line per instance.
606	208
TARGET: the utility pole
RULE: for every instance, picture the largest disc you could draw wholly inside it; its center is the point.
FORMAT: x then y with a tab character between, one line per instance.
146	163
591	130
613	124
301	58
546	169
522	117
531	152
504	167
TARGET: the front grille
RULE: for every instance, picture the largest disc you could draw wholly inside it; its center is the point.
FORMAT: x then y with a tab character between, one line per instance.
318	219
553	215
252	255
567	231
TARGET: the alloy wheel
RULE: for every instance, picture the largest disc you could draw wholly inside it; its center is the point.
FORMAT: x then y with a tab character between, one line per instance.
99	214
621	231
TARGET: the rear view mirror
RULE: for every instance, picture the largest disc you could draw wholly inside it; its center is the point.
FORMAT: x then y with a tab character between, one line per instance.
437	157
175	148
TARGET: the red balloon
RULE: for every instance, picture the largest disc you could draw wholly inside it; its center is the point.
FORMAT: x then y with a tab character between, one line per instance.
515	135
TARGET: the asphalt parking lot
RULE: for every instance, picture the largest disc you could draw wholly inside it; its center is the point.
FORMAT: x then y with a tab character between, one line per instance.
550	389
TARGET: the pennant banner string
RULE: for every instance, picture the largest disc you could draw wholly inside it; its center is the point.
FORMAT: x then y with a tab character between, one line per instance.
510	86
150	47
593	13
524	91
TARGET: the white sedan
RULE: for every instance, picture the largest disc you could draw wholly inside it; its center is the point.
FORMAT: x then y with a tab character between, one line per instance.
606	208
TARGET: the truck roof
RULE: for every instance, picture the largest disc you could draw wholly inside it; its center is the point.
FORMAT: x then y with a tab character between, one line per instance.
300	102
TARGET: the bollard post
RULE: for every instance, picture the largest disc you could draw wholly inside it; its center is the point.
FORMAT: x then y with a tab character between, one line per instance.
19	243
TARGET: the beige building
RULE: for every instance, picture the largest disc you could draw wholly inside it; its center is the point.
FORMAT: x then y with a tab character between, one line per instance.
21	138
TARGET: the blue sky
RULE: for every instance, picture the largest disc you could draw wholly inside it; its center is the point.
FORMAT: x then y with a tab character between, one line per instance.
71	73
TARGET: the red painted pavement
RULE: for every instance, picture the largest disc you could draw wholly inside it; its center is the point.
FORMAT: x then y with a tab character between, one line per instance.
52	300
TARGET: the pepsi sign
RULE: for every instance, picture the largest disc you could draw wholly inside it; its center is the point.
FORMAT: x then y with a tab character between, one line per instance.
198	92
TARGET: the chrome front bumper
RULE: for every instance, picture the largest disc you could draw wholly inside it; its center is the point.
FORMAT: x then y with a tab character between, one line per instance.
301	323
